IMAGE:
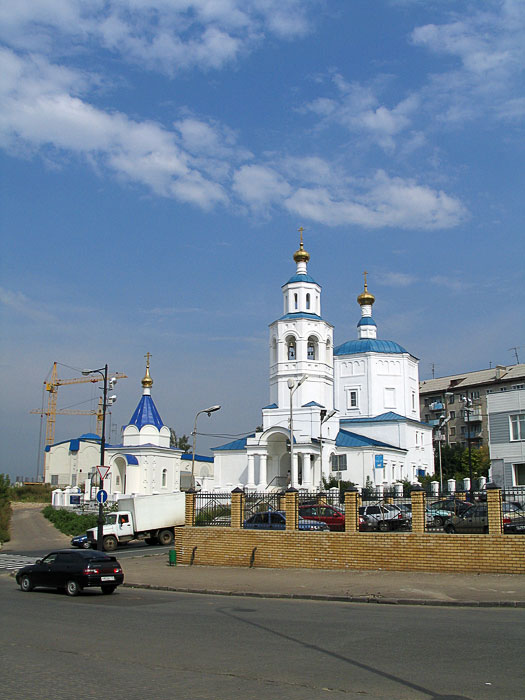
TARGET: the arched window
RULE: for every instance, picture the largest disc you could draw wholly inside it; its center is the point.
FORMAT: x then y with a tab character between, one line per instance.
307	301
164	478
290	344
274	350
312	351
295	300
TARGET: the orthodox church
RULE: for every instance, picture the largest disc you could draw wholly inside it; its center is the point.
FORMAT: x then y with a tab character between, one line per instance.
350	411
143	464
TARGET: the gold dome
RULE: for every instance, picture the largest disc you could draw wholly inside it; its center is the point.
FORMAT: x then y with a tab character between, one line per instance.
366	299
301	255
147	381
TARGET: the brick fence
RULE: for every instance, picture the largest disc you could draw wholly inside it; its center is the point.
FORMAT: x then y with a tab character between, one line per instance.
393	551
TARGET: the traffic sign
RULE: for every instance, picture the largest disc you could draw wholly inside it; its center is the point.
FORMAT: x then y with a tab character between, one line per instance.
102	496
379	461
103	472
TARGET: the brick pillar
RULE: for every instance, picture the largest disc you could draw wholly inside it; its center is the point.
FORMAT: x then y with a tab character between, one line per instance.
189	520
237	516
417	496
352	510
281	502
494	509
291	502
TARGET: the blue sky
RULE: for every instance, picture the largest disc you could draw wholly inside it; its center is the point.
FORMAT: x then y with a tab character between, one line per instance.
158	157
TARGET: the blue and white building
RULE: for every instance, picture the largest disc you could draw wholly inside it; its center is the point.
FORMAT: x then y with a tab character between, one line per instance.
354	408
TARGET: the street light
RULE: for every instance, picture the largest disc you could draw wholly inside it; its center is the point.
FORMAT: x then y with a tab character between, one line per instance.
443	420
468	409
103	371
209	411
293	384
325	415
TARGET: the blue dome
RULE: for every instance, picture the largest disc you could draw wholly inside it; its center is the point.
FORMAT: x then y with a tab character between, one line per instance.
366	321
301	278
355	347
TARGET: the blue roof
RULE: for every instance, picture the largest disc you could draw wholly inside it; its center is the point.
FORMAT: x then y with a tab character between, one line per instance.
300	278
270	405
146	414
366	321
355	347
90	436
312	403
198	458
235	445
299	314
74	443
347	439
131	459
389	416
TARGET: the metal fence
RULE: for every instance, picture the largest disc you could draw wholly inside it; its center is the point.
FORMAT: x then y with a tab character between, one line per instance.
260	503
213	509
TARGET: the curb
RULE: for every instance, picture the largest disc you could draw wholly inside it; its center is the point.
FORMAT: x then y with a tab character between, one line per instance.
335	598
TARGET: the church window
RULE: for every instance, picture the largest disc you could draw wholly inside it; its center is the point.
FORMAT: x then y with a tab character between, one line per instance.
290	342
164	477
295	300
307	301
312	350
353	399
274	350
413	400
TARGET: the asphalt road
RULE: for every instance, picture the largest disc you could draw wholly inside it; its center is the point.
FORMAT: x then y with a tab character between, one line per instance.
140	643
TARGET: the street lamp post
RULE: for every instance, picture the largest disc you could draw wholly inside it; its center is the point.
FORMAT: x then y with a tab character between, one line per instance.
325	415
103	371
468	408
293	384
442	422
209	411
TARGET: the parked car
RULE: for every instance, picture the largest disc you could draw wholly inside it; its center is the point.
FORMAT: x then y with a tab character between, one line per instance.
476	520
333	517
72	571
276	520
443	509
383	516
81	541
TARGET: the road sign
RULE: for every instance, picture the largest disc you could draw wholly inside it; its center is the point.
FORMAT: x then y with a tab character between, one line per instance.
102	496
103	472
379	462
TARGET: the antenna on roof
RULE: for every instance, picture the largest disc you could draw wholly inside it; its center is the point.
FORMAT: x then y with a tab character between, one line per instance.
515	349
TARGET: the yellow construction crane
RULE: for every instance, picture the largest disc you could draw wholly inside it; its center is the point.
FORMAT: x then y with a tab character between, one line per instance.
51	387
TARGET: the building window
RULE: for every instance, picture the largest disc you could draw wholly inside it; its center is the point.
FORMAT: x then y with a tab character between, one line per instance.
413	400
452	430
474	395
519	474
312	351
352	398
295	300
290	342
452	414
307	301
54	479
517	427
338	463
164	478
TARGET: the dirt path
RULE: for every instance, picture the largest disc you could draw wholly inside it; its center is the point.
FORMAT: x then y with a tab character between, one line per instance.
31	531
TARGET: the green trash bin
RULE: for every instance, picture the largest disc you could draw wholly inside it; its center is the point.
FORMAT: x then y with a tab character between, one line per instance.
173	557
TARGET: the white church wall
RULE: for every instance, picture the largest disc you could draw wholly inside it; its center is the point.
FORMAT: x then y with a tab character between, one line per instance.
66	468
231	468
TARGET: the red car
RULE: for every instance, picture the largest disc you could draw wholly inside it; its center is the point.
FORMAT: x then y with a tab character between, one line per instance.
333	517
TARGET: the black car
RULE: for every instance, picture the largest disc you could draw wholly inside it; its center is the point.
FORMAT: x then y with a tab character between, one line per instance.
72	571
476	520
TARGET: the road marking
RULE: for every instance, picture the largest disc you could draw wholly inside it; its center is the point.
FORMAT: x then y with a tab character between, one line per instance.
13	562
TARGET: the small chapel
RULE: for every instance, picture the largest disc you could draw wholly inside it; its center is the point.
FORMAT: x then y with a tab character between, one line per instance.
349	411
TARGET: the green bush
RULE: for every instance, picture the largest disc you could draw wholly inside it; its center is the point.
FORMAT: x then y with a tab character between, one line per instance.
5	518
69	522
31	493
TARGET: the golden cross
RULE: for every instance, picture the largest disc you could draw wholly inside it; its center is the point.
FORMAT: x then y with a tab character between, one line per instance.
365	273
301	229
147	356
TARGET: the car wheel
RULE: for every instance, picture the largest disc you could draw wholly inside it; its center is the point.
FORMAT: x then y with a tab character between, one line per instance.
151	540
438	521
110	543
166	537
72	588
108	590
86	544
26	584
384	526
450	529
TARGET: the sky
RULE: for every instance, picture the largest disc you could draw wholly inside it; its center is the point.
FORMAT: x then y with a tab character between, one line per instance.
159	156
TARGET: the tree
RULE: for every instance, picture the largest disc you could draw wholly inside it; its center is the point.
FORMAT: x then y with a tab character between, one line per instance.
182	443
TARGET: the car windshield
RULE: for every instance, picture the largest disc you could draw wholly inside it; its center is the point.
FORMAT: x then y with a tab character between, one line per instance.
111	519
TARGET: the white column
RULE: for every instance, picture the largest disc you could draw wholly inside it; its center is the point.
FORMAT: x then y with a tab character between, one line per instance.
251	471
295	471
263	479
307	471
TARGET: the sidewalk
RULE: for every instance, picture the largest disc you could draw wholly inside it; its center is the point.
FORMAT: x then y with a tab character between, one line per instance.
390	587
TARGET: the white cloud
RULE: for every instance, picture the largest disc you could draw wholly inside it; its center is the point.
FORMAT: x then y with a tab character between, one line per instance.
23	306
260	186
396	279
